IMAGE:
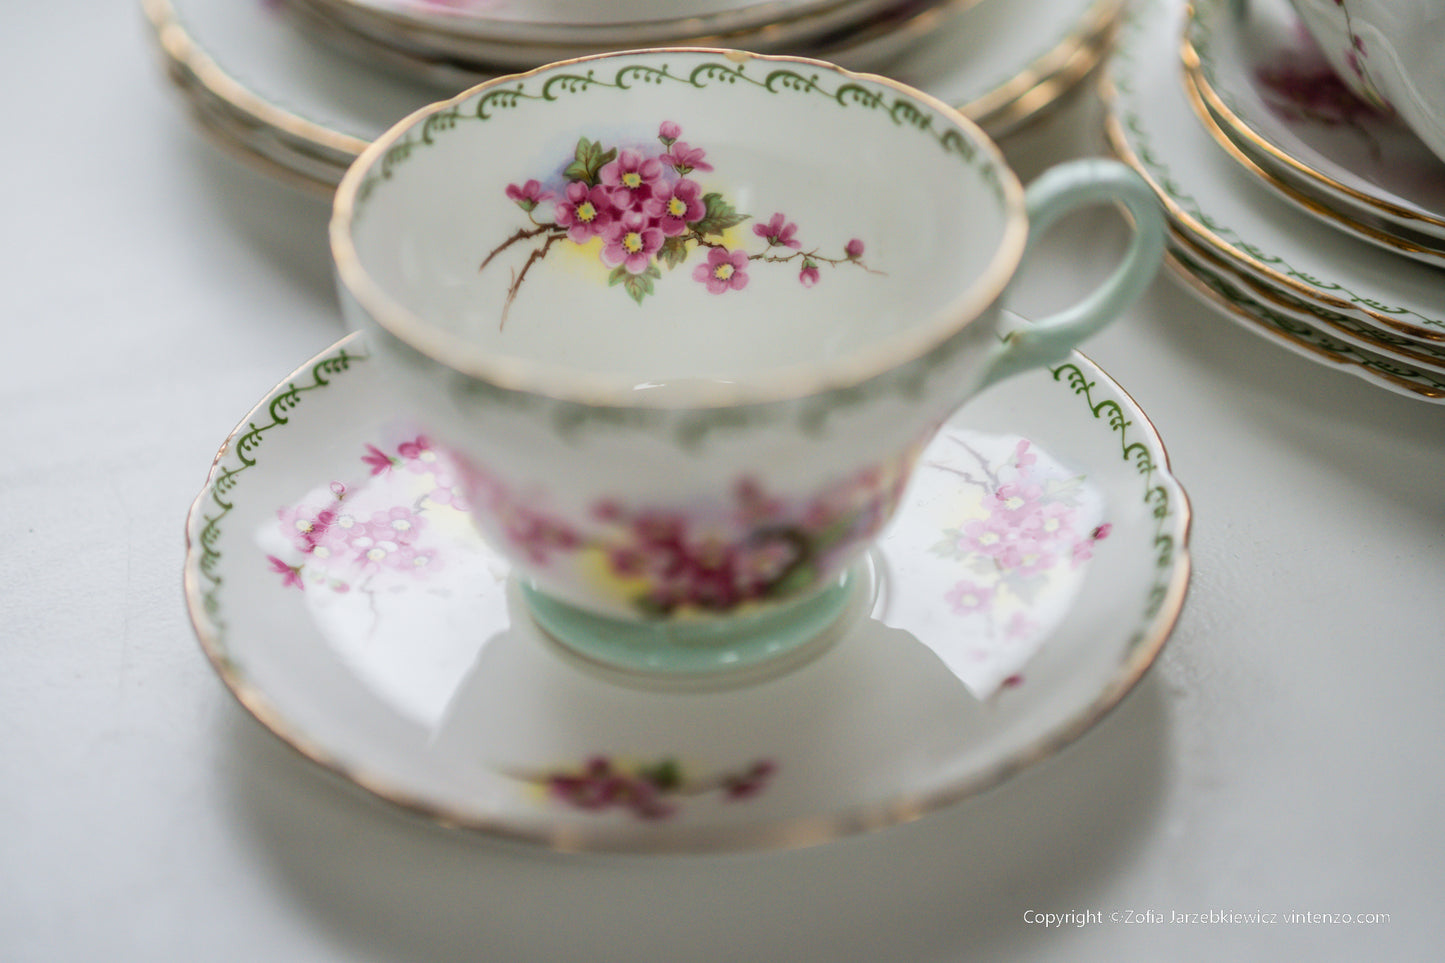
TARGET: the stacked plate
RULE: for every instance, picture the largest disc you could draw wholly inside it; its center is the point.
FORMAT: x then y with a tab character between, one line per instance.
302	111
1294	207
465	39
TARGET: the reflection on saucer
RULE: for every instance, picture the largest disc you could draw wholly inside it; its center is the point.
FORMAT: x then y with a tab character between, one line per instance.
977	570
341	593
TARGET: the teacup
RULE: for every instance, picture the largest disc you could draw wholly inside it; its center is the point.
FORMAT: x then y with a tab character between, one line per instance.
689	317
1389	53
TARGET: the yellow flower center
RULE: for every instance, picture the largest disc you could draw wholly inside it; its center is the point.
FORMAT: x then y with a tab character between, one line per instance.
676	207
723	271
632	179
632	241
585	211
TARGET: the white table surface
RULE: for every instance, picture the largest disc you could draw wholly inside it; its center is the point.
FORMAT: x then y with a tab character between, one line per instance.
1283	756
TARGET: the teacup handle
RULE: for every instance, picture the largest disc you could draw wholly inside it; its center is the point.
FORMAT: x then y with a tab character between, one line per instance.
1056	192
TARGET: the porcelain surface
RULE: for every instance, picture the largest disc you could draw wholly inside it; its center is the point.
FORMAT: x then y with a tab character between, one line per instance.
508	36
1388	51
1212	200
684	381
1266	88
305	112
637	23
1312	332
1037	567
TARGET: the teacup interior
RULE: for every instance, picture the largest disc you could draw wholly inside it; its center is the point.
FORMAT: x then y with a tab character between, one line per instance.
661	221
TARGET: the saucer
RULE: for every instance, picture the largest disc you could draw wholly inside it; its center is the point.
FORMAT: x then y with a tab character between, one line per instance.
1036	566
1313	333
289	103
1210	198
1422	360
1270	97
457	43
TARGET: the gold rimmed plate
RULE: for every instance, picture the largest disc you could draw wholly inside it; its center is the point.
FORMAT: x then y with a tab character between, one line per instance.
1267	94
1211	199
319	108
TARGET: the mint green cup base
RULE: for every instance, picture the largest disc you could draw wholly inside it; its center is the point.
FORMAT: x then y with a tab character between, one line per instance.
705	653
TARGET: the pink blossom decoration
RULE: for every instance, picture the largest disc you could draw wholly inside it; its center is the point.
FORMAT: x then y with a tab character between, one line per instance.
966	597
724	270
778	231
630	242
673	210
379	460
529	195
808	276
853	249
290	574
585	212
631	179
684	158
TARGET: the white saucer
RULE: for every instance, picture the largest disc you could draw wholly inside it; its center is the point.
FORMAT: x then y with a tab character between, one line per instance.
1269	95
1211	199
286	103
1310	331
1039	560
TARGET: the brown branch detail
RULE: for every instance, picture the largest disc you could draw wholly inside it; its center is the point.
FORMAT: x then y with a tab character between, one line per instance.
518	276
521	235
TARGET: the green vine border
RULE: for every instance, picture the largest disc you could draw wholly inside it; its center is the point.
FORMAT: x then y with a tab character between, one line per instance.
242	450
902	111
1157	495
280	407
1159	174
1284	325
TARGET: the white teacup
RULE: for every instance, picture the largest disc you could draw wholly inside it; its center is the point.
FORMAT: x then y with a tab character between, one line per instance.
1390	52
690	316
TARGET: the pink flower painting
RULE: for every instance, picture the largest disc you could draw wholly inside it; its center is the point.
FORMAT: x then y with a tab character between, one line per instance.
653	214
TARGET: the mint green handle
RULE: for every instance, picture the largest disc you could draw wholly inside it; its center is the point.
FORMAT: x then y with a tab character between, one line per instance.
1055	193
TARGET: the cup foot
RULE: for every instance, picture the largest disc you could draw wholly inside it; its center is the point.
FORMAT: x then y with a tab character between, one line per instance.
704	655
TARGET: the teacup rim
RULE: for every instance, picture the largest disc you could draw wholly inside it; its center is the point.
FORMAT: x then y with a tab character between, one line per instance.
782	384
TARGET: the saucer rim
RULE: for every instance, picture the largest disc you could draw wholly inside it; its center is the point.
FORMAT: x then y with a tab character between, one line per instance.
1141	650
1401	212
1122	143
1007	106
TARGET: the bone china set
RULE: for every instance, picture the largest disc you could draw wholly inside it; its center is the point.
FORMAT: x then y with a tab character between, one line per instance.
1290	146
656	501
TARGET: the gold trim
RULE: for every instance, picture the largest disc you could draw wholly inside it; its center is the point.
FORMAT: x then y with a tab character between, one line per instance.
1433	362
1185	276
791	384
1194	70
1118	142
1026	97
777	33
1047	78
185	55
1143	651
1422	248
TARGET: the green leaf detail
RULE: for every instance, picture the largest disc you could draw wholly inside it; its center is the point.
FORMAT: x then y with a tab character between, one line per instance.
718	217
589	160
637	286
673	252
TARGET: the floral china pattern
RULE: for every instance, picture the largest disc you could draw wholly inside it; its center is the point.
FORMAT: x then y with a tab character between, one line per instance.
1015	532
648	791
343	538
1028	526
644	211
752	547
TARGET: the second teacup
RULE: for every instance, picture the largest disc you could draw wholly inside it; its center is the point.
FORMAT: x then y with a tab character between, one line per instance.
688	318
